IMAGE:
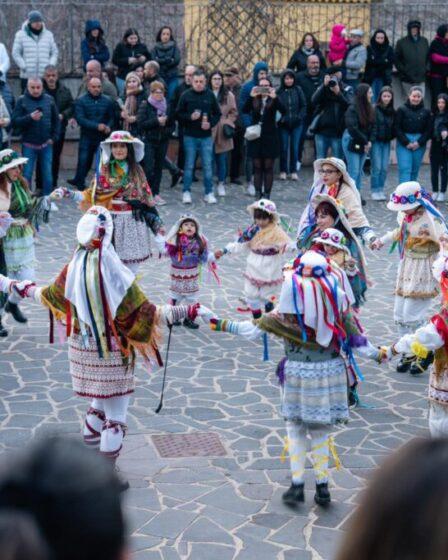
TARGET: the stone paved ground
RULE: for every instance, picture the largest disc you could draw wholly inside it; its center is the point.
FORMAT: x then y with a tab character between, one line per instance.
220	507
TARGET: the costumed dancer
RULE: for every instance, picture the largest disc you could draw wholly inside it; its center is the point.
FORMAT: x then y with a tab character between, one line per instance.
108	321
27	213
188	250
266	244
417	237
314	319
122	188
331	177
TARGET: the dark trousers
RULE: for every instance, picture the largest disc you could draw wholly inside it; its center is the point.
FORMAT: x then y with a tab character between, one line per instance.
236	155
306	124
181	153
86	152
57	151
154	162
439	167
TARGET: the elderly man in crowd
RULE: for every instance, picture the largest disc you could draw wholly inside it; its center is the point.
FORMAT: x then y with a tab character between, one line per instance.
355	59
94	70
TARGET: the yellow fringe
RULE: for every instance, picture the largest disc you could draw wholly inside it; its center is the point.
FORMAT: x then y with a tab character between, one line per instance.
419	350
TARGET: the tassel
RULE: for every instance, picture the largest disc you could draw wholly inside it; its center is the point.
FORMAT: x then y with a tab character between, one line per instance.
51	327
265	348
285	449
419	350
332	447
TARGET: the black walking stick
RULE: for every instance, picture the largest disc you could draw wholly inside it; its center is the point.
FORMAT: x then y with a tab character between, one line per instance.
159	408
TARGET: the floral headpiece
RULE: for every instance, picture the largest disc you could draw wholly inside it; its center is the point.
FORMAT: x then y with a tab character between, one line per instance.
417	196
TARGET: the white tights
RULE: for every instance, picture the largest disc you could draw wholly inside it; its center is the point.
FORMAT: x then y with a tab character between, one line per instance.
297	445
22	274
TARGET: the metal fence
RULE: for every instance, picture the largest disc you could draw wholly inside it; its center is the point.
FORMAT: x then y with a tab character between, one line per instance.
217	32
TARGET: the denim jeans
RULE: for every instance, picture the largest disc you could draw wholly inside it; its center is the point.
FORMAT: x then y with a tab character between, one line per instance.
120	86
44	158
377	84
355	162
86	152
409	161
203	146
171	84
221	166
289	145
323	143
379	157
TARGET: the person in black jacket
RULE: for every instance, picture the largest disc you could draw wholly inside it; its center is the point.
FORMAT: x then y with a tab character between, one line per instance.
438	154
37	118
181	88
356	140
263	107
93	46
292	98
167	54
95	114
383	133
380	59
155	125
129	54
330	102
438	61
308	46
413	129
198	111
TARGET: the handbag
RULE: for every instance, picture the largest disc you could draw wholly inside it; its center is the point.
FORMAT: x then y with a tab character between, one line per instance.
228	131
253	132
355	147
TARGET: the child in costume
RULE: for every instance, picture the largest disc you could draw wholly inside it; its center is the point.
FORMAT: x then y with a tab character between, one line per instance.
314	319
27	213
188	251
418	239
265	243
108	321
122	188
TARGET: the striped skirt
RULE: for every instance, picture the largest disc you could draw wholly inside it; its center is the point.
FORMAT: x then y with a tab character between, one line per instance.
18	246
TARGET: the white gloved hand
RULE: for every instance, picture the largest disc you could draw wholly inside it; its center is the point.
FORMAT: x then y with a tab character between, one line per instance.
206	314
160	242
59	193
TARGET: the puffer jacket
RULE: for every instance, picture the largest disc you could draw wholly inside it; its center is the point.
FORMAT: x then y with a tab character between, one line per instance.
36	132
411	56
331	108
168	57
32	53
94	49
380	60
413	119
354	61
90	111
384	127
123	52
294	102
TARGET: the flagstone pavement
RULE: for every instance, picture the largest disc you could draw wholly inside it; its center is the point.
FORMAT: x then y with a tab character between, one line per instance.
223	507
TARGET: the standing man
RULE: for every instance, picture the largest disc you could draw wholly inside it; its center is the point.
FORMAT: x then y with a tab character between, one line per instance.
355	59
94	70
181	88
37	119
199	112
232	80
309	81
411	55
95	114
34	48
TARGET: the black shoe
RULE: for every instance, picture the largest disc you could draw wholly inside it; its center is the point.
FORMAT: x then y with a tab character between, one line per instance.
175	178
236	182
3	331
353	398
13	308
177	324
294	495
190	324
322	496
405	363
73	183
268	307
363	202
420	365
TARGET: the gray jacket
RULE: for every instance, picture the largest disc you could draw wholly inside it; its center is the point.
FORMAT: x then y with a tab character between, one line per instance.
354	62
33	52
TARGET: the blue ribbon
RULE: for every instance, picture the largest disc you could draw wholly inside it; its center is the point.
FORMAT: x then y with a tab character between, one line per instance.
296	307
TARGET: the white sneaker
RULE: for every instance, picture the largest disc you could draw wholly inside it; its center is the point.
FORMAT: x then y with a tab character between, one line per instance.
186	197
298	166
250	189
221	189
210	198
282	176
441	197
379	196
294	177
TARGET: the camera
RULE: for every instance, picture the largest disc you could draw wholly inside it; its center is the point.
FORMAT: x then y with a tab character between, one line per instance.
332	82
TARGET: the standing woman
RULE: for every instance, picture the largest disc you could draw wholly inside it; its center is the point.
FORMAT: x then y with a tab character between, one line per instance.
308	46
380	59
223	132
359	120
167	54
383	133
128	55
439	149
132	98
438	64
264	150
94	47
413	129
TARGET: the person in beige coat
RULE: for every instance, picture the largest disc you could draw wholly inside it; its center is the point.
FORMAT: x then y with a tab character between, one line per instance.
224	131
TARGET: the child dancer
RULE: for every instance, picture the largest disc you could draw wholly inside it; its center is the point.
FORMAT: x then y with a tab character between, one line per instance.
418	235
188	251
266	244
314	320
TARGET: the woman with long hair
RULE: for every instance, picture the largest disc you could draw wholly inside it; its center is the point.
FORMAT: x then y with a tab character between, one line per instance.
438	154
128	55
166	53
132	98
359	120
308	45
380	60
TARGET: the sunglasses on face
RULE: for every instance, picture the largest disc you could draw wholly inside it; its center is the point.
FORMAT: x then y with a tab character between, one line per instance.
327	171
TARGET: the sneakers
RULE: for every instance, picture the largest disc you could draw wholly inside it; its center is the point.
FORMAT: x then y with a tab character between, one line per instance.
298	166
405	363
294	177
221	189
186	197
438	197
251	189
210	198
293	495
159	200
379	196
282	176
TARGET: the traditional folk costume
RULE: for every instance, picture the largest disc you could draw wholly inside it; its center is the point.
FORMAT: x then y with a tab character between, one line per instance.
433	338
27	213
128	198
314	319
265	248
108	321
418	239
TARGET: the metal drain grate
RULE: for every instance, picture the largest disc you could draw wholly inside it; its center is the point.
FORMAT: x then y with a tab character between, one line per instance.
197	444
